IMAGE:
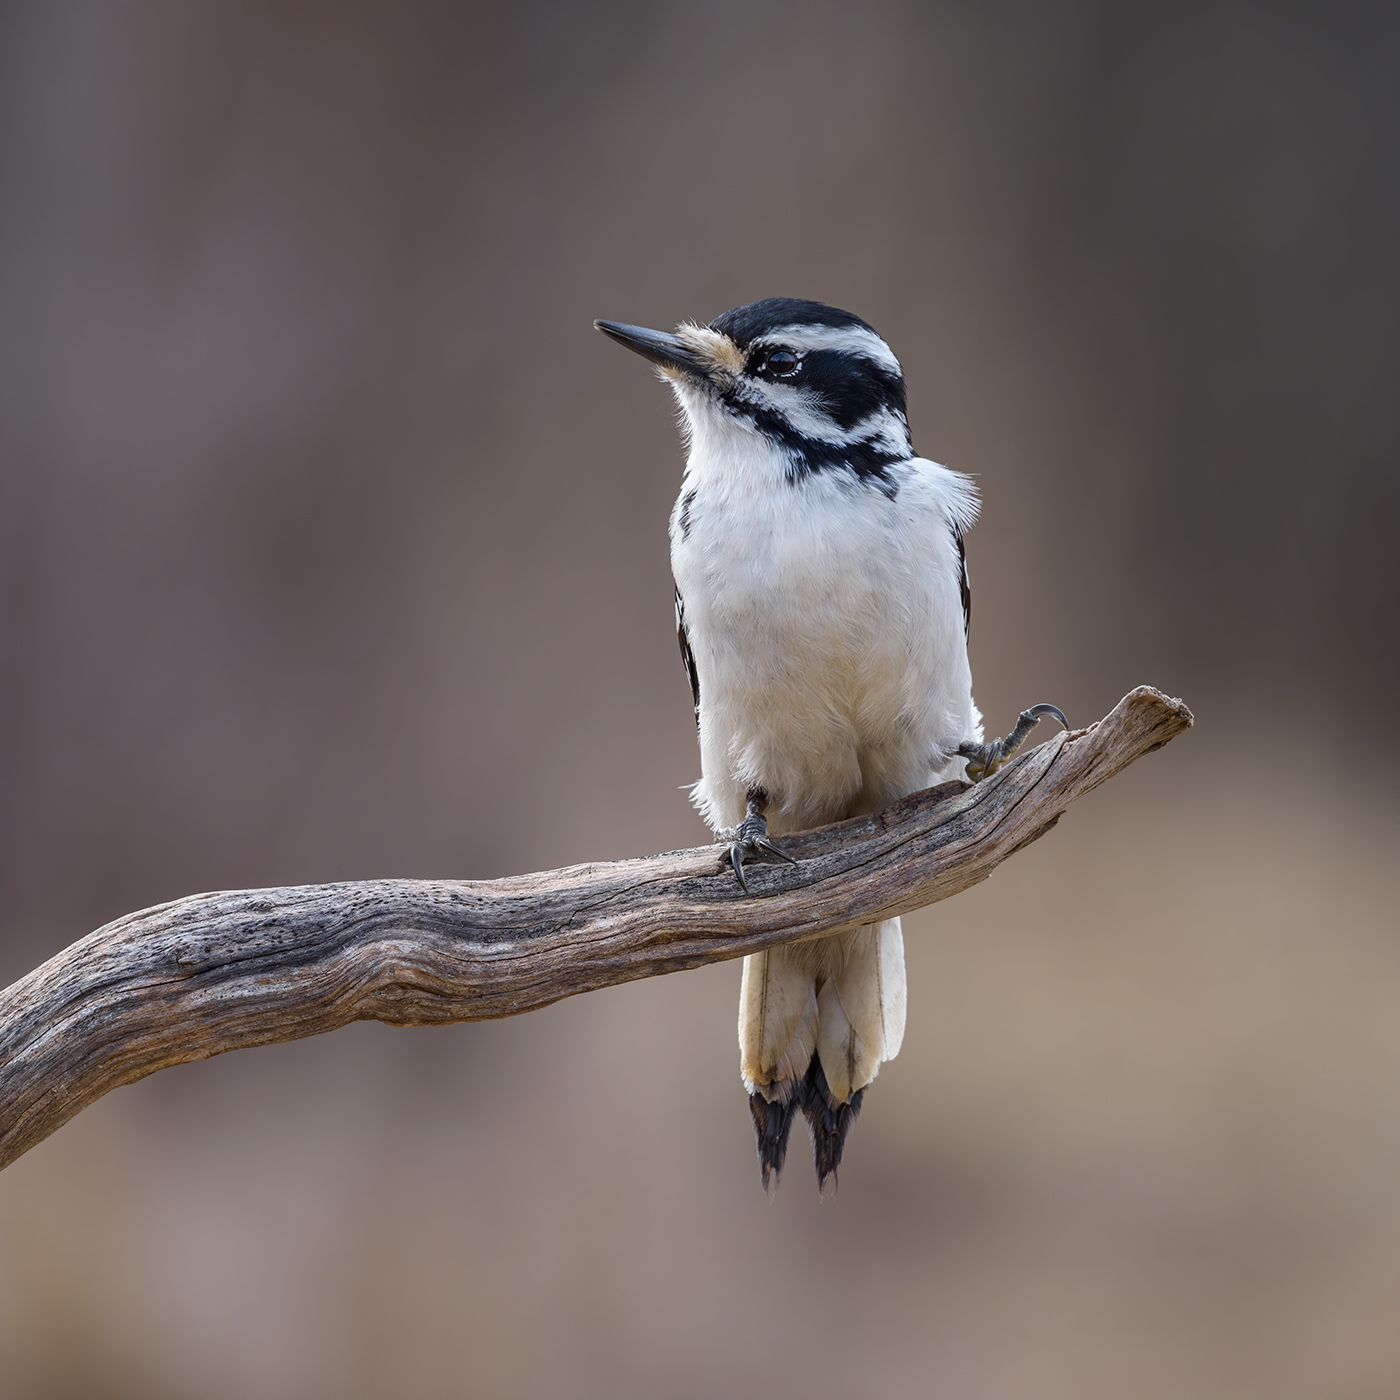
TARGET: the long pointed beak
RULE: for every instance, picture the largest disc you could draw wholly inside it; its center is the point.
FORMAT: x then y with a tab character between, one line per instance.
660	347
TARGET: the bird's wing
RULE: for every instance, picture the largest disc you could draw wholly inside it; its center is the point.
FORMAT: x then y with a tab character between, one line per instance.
964	587
687	656
953	498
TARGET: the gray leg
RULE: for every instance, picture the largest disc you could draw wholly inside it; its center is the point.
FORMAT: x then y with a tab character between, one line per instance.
984	759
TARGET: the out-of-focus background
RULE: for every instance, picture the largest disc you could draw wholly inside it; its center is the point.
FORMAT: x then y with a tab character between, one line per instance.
332	545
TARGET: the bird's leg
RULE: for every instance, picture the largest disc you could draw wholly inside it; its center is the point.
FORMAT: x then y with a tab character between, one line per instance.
751	836
984	759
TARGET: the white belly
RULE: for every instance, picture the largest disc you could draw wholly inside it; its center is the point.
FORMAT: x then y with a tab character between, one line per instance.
827	627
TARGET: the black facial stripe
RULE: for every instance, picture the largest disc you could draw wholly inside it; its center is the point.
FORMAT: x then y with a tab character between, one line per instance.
745	324
867	458
869	462
849	386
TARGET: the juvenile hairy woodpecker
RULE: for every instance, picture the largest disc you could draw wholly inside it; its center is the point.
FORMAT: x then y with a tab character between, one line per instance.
822	606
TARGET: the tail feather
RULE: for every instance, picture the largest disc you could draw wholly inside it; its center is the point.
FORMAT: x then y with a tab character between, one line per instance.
816	1020
860	1007
849	1060
772	1122
828	1121
777	1022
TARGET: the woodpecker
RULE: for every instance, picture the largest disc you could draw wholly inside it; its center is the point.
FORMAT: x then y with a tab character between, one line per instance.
822	607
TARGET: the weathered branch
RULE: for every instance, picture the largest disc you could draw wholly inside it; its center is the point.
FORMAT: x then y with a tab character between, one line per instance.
216	972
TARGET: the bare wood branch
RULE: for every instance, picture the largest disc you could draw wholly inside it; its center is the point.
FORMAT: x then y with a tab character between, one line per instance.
217	972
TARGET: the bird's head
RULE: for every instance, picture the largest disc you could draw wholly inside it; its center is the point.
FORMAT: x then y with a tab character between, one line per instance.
818	384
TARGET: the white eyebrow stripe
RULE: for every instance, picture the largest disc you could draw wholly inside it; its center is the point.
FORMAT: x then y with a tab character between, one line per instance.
853	340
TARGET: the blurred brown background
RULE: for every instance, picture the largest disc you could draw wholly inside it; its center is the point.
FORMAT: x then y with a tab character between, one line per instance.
333	546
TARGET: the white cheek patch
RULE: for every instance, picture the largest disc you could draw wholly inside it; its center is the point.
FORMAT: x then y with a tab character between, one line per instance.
802	410
799	407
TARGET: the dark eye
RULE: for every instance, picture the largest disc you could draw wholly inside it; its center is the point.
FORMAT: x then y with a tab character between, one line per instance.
781	362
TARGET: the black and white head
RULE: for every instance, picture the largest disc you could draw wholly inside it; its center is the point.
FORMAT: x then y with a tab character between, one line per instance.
815	386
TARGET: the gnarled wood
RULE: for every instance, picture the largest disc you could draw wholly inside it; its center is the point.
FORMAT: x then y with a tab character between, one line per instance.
216	972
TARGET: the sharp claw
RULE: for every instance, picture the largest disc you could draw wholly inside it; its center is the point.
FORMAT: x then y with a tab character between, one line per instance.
764	844
737	861
985	759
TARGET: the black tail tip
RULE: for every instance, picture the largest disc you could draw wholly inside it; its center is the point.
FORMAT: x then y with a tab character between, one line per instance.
772	1122
828	1122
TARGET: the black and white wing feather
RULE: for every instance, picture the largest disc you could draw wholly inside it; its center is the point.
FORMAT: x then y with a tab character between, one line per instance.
964	587
688	656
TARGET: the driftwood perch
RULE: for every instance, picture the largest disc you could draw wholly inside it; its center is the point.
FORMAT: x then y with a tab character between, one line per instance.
215	972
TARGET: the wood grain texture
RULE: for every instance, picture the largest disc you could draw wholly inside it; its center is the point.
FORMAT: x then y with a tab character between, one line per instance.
217	972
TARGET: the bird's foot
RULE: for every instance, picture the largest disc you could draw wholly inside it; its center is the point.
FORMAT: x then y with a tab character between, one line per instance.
750	838
984	759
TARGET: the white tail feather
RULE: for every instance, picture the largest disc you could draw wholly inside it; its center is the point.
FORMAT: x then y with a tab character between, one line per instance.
892	985
842	997
777	1019
850	1029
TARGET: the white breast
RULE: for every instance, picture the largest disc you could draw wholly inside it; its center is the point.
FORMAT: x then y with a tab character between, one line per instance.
827	626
